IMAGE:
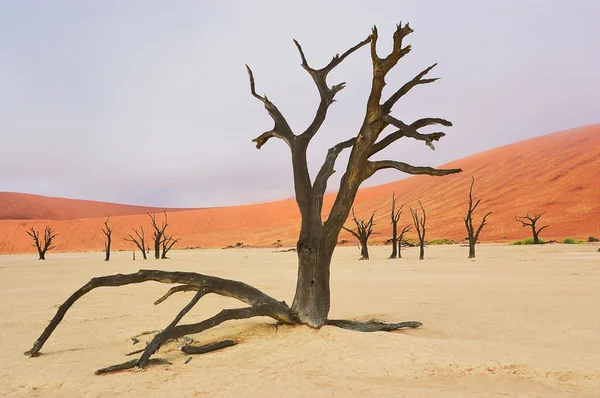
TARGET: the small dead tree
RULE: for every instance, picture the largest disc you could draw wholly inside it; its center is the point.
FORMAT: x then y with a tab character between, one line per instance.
318	235
472	233
419	223
401	239
395	216
364	229
158	233
167	243
531	221
108	232
140	241
42	248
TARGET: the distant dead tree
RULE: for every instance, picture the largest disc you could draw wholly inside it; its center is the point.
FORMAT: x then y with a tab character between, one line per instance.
158	233
364	229
419	223
401	239
167	244
108	232
395	216
472	234
49	235
529	221
140	241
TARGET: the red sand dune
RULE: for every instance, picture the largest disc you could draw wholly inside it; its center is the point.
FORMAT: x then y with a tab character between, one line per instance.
557	173
23	206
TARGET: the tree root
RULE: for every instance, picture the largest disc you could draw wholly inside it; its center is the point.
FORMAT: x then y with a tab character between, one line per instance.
130	365
372	325
203	349
260	305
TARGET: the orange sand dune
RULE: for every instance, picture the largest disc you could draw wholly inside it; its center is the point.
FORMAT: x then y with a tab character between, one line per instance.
23	206
557	173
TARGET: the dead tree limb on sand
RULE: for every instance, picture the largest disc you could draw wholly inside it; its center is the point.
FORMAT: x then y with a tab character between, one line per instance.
42	248
158	233
167	243
364	229
473	235
419	223
108	232
401	239
318	237
139	241
395	216
531	221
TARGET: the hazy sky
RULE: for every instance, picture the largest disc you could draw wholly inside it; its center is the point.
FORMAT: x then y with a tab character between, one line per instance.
147	102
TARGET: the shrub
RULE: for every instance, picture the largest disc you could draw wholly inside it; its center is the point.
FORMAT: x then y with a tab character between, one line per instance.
571	241
441	242
593	239
528	241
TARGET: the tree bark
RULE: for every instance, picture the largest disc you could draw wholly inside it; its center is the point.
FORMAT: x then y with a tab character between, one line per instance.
394	240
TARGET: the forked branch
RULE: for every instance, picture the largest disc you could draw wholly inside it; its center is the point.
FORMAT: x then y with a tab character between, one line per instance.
374	166
281	129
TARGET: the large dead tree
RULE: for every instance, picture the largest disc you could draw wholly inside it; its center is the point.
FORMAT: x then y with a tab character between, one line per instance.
419	223
473	235
531	221
108	232
318	237
395	216
139	240
363	231
45	245
401	239
167	243
158	233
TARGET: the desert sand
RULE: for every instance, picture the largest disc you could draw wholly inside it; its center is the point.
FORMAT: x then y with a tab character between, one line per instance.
517	321
556	173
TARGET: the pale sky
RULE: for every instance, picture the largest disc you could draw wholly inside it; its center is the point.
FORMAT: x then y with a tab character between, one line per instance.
147	102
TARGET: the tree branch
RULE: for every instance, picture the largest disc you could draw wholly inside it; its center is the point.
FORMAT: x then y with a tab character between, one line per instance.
327	94
411	132
387	106
281	129
327	169
375	166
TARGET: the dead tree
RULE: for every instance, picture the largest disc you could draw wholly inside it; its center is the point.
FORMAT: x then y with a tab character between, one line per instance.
318	237
140	241
529	221
364	229
401	239
158	233
42	248
167	243
108	232
419	223
472	233
395	216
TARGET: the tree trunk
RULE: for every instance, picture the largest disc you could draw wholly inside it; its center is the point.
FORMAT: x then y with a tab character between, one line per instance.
312	298
471	248
42	254
107	248
400	248
536	238
422	250
157	248
364	250
394	240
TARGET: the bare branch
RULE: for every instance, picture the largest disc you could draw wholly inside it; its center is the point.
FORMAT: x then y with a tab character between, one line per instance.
387	106
176	289
327	94
327	169
281	129
412	132
409	131
374	166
